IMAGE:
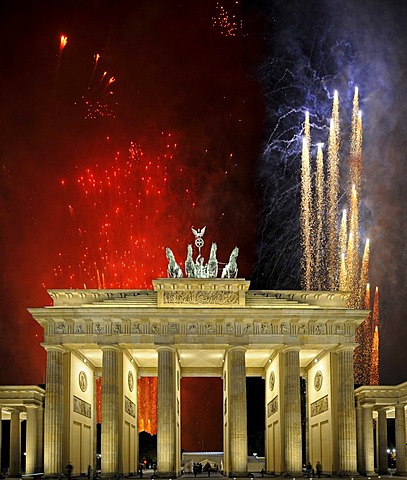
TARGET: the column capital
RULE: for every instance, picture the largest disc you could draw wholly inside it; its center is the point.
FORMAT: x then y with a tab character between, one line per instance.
106	346
54	348
170	348
290	348
236	347
345	347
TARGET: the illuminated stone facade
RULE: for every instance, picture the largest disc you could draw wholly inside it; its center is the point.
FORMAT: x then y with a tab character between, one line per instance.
199	327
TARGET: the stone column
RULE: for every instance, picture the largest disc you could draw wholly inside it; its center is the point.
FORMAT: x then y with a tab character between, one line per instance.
166	412
360	444
54	413
237	411
292	412
110	411
381	430
40	440
346	413
400	439
15	444
31	440
368	439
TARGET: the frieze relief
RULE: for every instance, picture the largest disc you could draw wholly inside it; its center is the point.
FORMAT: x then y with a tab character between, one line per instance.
99	327
61	328
272	406
82	407
202	297
129	407
80	329
319	406
117	328
136	328
173	328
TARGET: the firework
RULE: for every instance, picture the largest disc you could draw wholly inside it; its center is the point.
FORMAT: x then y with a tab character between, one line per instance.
364	273
319	278
333	188
343	285
305	218
374	363
227	22
147	405
352	253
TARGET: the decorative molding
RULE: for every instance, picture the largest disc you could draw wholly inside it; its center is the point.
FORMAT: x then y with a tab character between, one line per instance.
319	406
82	407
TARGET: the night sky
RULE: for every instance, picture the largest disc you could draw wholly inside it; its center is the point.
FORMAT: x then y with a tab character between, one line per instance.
214	111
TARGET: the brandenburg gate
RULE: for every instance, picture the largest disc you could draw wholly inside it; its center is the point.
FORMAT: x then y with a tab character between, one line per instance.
199	326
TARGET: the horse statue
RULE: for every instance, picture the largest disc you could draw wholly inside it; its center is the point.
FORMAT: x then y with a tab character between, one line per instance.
212	266
230	269
173	270
190	264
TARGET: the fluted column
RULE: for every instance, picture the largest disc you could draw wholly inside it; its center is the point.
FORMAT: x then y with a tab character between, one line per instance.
40	440
31	440
382	442
110	410
346	413
166	411
400	440
368	439
15	442
292	412
360	444
237	411
54	413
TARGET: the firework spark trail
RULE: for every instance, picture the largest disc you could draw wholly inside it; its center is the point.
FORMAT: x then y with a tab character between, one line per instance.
374	363
333	189
343	232
355	166
62	44
306	209
352	253
363	338
320	277
364	273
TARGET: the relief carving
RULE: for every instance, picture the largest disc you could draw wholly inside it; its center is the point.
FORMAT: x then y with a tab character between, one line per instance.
129	407
173	328
82	407
192	328
136	328
201	297
319	406
117	328
60	328
272	406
